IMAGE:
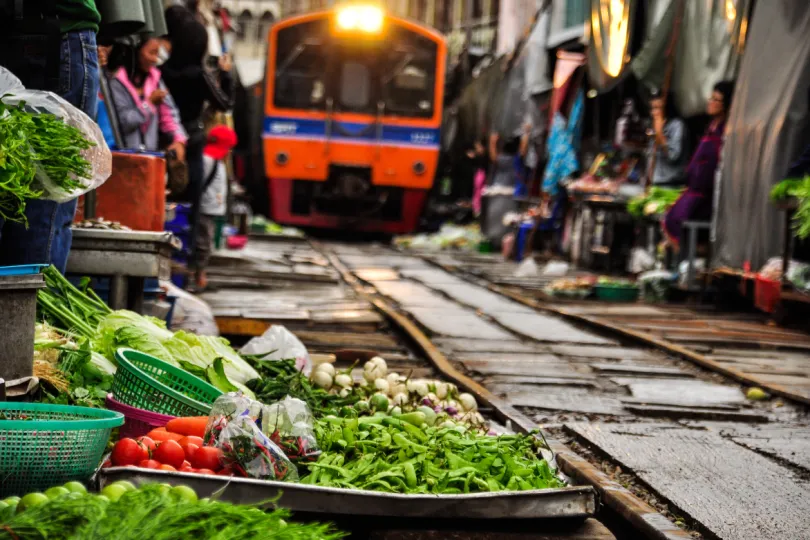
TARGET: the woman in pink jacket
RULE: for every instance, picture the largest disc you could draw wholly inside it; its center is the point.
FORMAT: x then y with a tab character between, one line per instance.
145	109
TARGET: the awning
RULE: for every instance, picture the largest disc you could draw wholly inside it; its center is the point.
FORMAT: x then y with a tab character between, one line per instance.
712	34
767	128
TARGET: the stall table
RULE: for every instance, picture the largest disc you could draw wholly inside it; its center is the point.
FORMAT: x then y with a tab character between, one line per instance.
611	207
127	258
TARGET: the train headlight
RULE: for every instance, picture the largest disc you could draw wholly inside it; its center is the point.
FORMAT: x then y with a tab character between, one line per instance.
368	19
282	158
419	168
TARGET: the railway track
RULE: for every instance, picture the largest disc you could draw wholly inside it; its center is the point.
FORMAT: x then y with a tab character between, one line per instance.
529	368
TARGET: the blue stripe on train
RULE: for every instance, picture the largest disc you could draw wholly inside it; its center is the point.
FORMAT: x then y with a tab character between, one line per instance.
307	128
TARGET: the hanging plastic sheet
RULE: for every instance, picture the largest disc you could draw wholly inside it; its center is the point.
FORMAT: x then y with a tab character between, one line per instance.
526	79
610	25
767	129
711	37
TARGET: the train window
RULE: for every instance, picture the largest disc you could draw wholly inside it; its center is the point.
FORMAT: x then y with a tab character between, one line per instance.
408	86
355	87
300	67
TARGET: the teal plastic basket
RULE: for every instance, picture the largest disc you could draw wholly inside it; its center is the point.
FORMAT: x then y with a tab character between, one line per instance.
42	446
151	384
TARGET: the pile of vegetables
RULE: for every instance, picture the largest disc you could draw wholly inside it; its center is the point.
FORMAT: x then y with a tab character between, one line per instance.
384	392
34	144
99	332
176	447
653	203
402	454
800	190
154	511
280	378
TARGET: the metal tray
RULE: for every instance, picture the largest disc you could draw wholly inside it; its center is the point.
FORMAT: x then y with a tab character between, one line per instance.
570	502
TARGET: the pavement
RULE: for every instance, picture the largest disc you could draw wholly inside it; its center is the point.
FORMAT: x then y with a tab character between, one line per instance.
609	381
732	468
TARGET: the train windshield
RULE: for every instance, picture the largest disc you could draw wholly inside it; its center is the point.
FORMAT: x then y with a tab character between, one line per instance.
408	74
301	56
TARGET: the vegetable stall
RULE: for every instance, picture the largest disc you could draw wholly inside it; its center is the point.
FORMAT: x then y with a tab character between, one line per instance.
246	429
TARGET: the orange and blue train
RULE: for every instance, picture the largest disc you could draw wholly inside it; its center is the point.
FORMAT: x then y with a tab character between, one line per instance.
353	109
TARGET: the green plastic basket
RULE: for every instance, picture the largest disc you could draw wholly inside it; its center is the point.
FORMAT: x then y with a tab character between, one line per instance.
42	446
145	382
616	294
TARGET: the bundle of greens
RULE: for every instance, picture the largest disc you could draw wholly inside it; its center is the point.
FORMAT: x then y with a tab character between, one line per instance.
35	146
800	190
791	187
157	512
655	202
402	455
82	313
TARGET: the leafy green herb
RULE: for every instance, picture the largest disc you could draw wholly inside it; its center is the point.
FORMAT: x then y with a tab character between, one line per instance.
33	144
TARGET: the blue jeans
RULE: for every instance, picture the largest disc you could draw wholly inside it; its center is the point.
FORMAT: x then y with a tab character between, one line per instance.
48	236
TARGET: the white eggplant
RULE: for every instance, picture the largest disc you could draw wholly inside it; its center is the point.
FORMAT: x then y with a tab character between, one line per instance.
322	379
382	385
468	402
344	380
327	368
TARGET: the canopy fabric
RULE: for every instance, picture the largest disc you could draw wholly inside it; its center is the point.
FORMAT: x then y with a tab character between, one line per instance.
767	129
712	35
610	29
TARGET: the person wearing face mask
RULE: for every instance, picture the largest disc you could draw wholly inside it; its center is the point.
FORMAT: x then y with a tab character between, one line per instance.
144	106
193	86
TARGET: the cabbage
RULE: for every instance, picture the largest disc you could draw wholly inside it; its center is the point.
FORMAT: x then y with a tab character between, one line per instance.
206	349
148	335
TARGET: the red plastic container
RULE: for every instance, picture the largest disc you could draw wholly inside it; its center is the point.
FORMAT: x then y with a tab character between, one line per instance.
767	293
135	193
137	422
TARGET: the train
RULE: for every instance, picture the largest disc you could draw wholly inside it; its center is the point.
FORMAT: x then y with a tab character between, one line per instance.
350	137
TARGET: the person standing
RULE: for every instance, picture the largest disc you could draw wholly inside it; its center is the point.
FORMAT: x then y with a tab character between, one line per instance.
213	203
50	45
669	143
193	86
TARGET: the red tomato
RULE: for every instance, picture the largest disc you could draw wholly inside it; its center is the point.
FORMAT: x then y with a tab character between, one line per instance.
227	471
147	443
204	471
149	464
206	457
128	452
189	449
170	453
106	464
191	439
165	467
185	464
187	468
162	436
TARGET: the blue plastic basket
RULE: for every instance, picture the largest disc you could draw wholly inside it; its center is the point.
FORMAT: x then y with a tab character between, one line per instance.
22	269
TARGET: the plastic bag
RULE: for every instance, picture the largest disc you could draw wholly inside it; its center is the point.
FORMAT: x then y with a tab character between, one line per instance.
278	343
99	156
555	268
640	261
190	313
289	424
233	427
527	268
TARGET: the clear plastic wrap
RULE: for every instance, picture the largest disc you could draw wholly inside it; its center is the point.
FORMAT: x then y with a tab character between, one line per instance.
289	424
278	343
99	156
233	427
